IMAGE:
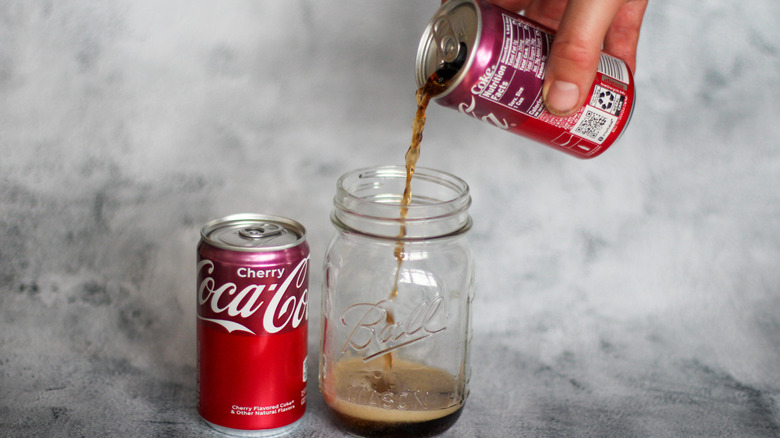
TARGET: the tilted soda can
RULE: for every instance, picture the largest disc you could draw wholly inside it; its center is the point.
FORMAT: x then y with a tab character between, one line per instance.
499	59
252	324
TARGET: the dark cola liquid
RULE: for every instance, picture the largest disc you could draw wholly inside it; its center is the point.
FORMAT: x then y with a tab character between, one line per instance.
389	429
388	397
435	85
408	400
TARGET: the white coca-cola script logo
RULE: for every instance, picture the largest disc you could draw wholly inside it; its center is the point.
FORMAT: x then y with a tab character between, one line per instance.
373	330
231	306
469	108
484	80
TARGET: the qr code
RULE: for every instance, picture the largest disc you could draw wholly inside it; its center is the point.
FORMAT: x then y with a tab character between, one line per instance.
594	126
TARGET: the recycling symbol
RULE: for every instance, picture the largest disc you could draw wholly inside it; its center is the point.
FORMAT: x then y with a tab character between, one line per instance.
606	100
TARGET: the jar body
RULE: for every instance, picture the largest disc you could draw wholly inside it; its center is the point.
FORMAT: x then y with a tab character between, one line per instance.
396	310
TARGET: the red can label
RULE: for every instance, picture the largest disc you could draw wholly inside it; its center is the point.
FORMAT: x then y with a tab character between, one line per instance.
501	83
252	337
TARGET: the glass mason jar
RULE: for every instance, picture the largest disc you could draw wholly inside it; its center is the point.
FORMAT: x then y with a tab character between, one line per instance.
396	301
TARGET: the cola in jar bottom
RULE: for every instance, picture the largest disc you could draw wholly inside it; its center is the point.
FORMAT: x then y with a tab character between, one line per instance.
420	403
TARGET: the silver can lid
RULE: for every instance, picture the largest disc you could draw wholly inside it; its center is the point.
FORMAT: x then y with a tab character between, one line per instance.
457	24
253	232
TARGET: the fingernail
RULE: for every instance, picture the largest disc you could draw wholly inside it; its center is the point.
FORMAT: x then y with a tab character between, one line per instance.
562	97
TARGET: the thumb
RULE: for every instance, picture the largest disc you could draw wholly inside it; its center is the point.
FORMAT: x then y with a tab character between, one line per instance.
574	56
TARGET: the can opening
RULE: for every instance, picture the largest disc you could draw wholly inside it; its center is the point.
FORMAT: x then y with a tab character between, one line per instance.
443	33
447	70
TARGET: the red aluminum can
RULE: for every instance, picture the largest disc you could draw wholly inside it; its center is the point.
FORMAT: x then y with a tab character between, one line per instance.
499	78
252	324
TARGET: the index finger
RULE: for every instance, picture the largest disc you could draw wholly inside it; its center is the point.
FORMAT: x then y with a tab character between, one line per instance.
623	35
575	53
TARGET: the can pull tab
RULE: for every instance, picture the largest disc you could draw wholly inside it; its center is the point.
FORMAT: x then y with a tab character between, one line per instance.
261	231
453	53
446	39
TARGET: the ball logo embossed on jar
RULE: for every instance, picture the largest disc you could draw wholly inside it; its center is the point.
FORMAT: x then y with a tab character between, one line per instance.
368	325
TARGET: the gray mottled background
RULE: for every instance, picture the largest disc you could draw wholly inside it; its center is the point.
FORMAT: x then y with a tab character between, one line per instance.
637	294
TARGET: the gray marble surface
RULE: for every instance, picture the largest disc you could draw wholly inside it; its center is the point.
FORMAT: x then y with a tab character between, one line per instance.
637	294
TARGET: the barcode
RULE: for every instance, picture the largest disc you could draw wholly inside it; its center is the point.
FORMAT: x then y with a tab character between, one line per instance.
594	126
590	125
613	67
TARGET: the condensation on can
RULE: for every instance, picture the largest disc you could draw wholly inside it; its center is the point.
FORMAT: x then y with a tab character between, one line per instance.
252	323
501	80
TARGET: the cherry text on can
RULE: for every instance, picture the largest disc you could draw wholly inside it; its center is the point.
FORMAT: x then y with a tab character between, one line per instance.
500	77
252	324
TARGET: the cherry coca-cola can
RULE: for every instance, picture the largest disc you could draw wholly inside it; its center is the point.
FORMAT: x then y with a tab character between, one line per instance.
252	324
496	61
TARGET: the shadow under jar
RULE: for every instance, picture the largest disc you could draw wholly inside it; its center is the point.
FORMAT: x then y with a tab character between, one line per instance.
398	286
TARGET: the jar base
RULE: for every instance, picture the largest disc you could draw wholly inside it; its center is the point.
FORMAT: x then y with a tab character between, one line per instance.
375	428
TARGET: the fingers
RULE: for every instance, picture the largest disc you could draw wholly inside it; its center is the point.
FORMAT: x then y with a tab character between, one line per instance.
623	35
575	53
584	29
511	5
546	12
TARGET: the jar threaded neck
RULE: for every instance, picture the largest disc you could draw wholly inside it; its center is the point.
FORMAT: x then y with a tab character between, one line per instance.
368	201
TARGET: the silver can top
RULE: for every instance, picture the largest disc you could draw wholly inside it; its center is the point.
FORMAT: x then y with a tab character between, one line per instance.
455	27
253	232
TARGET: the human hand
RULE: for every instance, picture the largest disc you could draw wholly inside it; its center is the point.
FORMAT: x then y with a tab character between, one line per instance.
584	29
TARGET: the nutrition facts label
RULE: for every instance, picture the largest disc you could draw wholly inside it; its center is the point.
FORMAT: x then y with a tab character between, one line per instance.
516	80
511	62
525	47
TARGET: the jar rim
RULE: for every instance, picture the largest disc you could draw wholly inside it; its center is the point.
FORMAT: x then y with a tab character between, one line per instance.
368	201
458	185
